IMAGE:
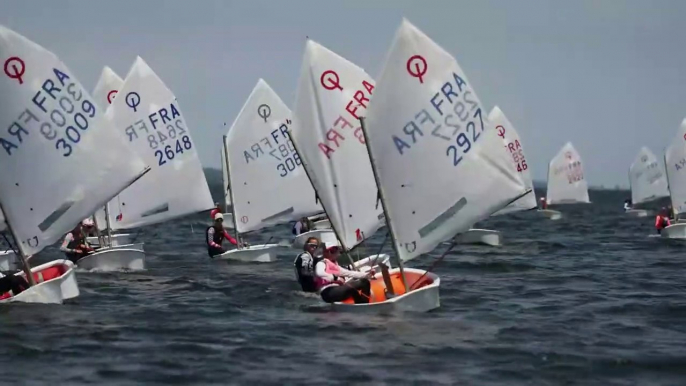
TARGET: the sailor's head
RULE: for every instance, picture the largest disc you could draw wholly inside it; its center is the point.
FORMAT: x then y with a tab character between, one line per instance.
311	245
218	219
332	250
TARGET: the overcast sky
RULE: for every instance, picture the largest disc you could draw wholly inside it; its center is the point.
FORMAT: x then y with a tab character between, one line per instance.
610	76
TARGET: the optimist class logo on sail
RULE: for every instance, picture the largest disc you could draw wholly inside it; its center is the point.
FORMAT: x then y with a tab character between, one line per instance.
58	111
333	138
453	114
164	130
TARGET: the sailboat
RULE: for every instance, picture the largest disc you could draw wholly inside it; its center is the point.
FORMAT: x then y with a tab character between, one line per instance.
566	182
54	136
648	182
153	125
331	94
675	164
268	184
514	152
105	91
431	187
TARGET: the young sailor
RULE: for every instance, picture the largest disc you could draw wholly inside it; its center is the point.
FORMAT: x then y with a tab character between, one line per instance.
302	226
662	221
12	284
330	283
215	234
627	205
217	209
75	245
305	264
544	204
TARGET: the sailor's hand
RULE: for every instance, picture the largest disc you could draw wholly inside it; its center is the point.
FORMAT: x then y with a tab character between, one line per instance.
78	251
371	273
340	281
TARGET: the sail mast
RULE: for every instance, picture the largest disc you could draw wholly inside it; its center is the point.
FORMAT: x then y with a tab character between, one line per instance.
24	260
233	202
383	202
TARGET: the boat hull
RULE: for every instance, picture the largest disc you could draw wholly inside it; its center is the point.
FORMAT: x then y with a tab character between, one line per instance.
423	299
551	214
114	259
479	236
300	240
58	284
117	239
321	224
637	213
674	231
263	253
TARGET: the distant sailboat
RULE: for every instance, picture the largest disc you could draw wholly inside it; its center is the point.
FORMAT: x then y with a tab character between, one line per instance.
647	180
675	163
566	181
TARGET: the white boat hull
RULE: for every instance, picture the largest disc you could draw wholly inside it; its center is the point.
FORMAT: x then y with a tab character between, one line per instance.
372	262
479	236
114	259
9	261
59	286
300	240
551	214
637	213
321	224
117	239
263	253
674	231
422	299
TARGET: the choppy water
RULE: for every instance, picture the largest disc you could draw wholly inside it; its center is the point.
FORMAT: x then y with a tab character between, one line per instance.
586	300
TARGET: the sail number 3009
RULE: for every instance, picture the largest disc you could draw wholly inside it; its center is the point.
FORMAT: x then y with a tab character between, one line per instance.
170	151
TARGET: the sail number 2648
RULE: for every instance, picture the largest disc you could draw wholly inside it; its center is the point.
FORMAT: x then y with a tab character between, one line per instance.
465	139
170	151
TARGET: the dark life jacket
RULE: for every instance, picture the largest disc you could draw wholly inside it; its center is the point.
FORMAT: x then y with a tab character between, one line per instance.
217	238
304	271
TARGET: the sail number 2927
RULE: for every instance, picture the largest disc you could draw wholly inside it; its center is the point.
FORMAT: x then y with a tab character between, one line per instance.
464	140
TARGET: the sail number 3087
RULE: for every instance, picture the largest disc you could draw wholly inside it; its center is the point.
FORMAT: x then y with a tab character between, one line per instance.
465	140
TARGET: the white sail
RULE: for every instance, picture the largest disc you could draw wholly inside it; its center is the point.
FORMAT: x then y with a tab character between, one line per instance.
332	93
440	170
566	182
268	184
675	162
3	224
646	178
107	87
104	93
515	153
148	117
225	179
61	159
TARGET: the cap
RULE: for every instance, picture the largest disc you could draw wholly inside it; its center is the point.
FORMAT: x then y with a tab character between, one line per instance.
87	222
218	216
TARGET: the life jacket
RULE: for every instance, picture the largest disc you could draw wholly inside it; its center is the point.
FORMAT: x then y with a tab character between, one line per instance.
218	235
304	265
332	269
661	222
77	240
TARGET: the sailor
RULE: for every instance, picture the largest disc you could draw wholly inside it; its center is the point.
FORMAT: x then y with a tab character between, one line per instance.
11	283
215	235
302	226
627	205
75	245
217	209
544	204
329	278
89	227
662	221
305	263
